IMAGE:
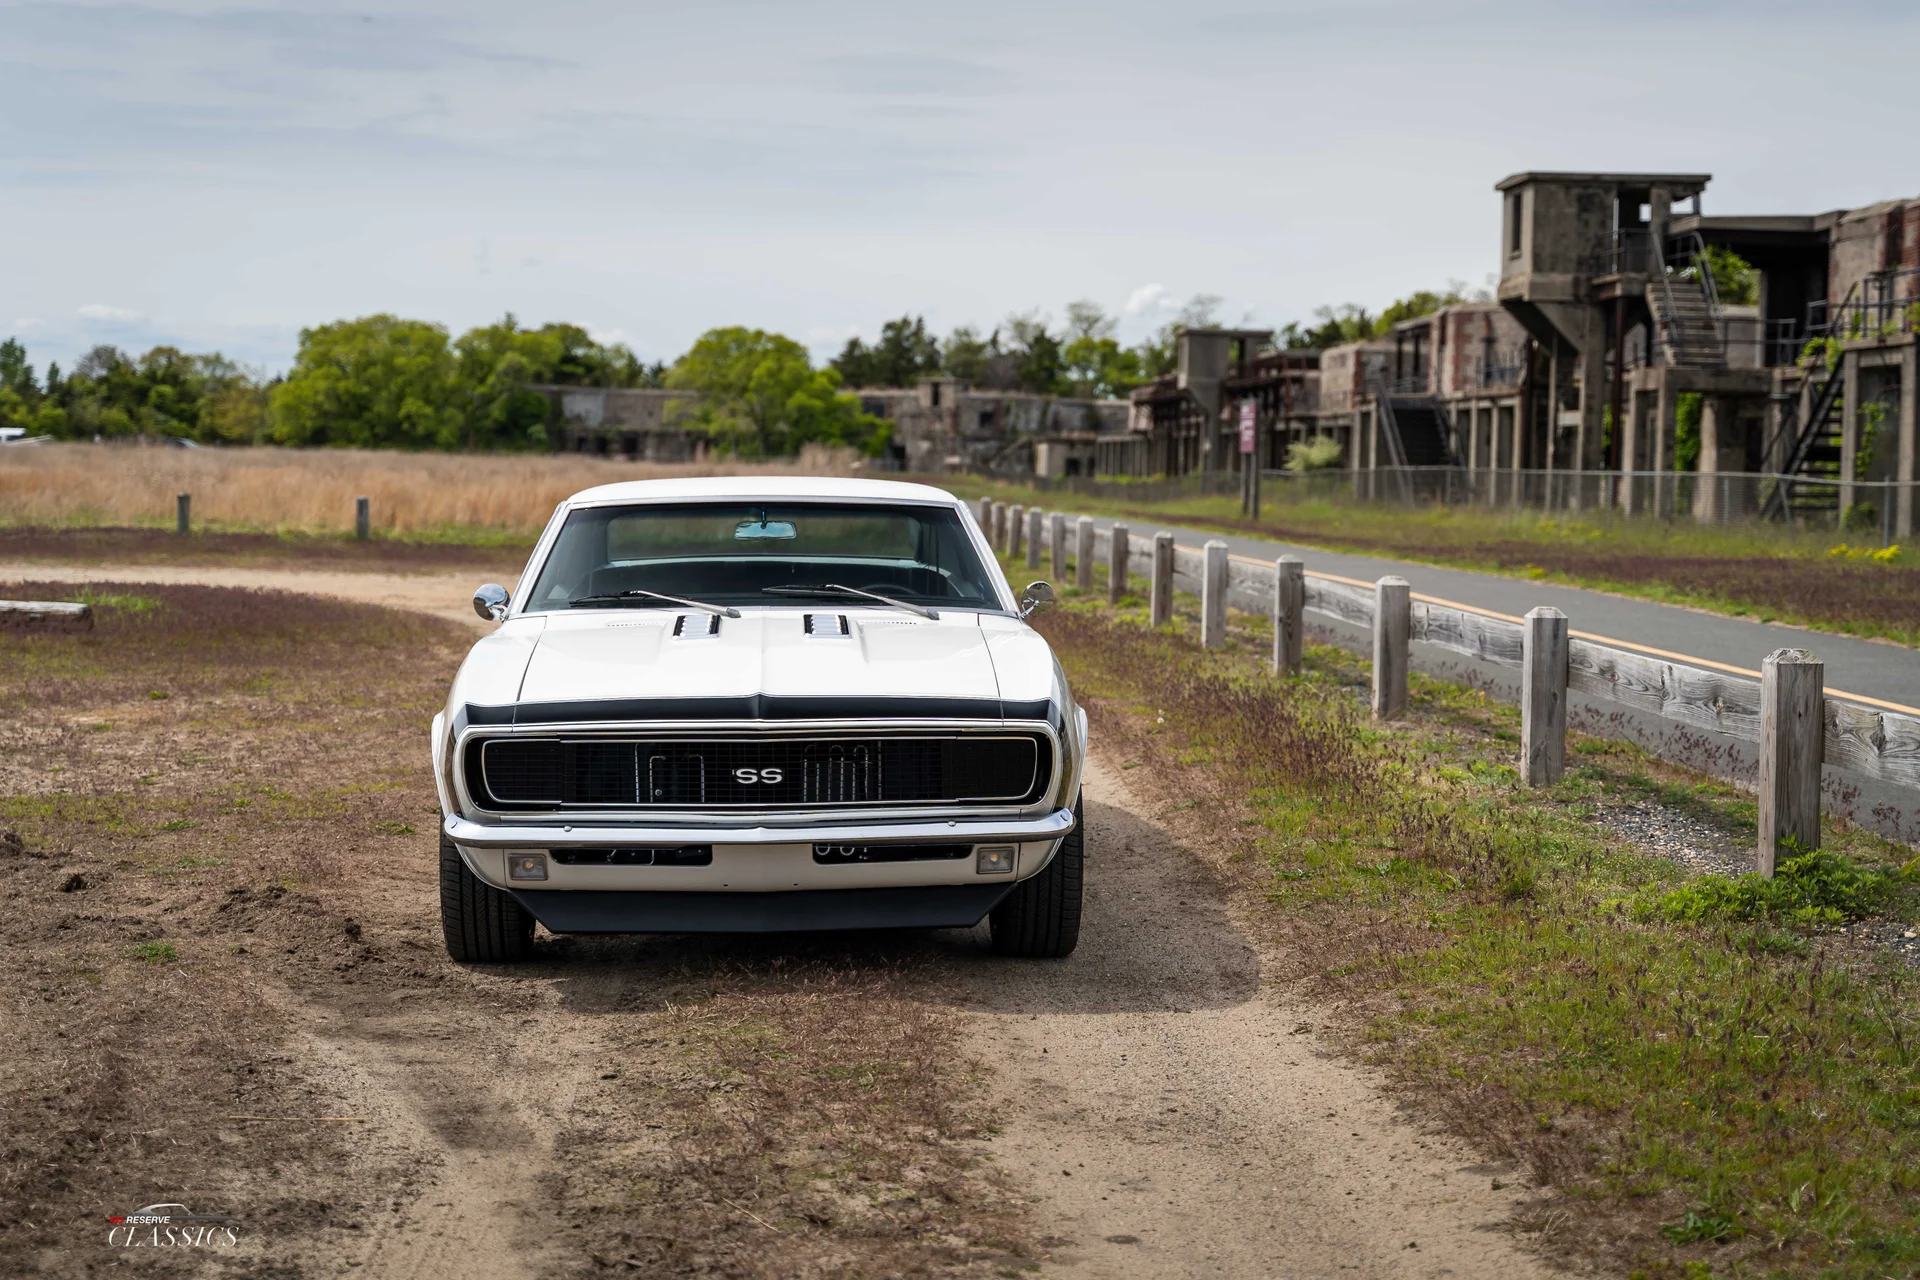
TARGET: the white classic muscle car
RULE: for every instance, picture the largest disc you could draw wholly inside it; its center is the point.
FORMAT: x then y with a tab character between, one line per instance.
752	705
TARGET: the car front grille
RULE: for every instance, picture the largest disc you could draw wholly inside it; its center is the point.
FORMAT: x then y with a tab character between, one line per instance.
759	772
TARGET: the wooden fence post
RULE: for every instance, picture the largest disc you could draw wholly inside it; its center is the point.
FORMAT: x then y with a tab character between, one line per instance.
1117	553
1213	596
1392	627
1036	520
997	526
1792	742
1160	609
1543	697
985	515
1083	553
1057	545
1016	524
362	520
183	513
1289	604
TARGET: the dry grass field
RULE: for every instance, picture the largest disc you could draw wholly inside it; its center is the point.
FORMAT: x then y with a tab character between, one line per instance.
413	495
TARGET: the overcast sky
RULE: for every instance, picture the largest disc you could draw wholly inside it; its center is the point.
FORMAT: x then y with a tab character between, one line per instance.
218	177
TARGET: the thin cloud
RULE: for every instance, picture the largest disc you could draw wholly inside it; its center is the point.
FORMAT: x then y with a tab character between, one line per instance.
114	315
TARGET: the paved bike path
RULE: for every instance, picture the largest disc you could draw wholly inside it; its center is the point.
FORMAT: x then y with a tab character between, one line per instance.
1885	675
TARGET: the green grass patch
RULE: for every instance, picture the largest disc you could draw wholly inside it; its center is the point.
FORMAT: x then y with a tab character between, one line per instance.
153	953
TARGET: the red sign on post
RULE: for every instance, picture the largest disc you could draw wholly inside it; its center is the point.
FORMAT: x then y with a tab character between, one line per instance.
1248	417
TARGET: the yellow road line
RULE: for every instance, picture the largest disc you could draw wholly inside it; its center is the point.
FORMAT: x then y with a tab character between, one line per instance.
1614	641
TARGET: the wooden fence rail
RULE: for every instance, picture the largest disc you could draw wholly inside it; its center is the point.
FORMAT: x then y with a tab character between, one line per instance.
1794	735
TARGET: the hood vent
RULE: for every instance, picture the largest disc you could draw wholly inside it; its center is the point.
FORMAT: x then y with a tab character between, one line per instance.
689	626
826	625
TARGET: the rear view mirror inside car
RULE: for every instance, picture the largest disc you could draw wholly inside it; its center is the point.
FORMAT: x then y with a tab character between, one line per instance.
753	529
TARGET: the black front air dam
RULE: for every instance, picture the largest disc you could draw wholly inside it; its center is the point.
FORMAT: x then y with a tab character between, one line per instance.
797	911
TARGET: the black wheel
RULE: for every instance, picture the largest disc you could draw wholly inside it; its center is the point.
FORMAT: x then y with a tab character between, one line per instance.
483	925
1041	917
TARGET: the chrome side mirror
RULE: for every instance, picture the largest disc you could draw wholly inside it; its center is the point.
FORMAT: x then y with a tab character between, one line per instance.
1037	596
491	602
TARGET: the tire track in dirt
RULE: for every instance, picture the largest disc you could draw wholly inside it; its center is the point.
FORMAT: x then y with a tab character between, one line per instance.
1173	1113
425	1087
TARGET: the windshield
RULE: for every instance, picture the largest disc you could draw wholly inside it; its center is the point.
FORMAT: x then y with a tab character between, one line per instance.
730	553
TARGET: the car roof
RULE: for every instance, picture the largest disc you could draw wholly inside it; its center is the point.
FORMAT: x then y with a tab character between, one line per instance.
722	488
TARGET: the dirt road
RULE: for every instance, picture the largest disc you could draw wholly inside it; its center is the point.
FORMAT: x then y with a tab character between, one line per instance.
1163	1107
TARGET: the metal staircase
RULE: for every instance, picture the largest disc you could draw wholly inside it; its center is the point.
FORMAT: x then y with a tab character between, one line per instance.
1815	453
1686	310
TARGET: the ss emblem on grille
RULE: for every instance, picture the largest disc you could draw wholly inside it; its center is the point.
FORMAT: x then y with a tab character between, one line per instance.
747	777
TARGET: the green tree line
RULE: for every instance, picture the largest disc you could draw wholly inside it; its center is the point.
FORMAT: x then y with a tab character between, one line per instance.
379	381
384	381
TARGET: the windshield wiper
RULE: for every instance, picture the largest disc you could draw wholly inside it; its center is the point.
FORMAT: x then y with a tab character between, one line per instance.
719	610
835	589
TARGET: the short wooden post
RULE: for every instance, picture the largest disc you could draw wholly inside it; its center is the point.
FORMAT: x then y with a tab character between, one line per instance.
997	526
1036	518
1289	606
1083	553
1160	607
362	520
1792	742
1117	553
1057	545
183	513
984	513
1392	627
1543	697
1016	523
1213	596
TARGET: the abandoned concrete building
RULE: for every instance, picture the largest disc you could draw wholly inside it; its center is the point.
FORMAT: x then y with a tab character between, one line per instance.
939	424
1607	313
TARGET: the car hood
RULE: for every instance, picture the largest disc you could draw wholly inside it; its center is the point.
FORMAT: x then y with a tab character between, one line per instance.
642	657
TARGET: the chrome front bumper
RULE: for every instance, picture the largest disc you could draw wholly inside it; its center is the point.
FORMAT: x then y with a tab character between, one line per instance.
477	835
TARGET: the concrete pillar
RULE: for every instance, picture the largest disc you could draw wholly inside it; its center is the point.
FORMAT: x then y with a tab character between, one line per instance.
984	514
1016	528
1289	609
1792	741
1035	530
1117	555
1706	484
1057	546
1543	697
183	513
1213	596
1083	553
1160	601
997	526
1666	408
1630	442
1392	629
1907	465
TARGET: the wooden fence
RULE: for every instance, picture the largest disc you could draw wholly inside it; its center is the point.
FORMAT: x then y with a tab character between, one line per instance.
1785	714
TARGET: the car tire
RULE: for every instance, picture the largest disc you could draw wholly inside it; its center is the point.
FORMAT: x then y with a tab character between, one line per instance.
1040	919
482	924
